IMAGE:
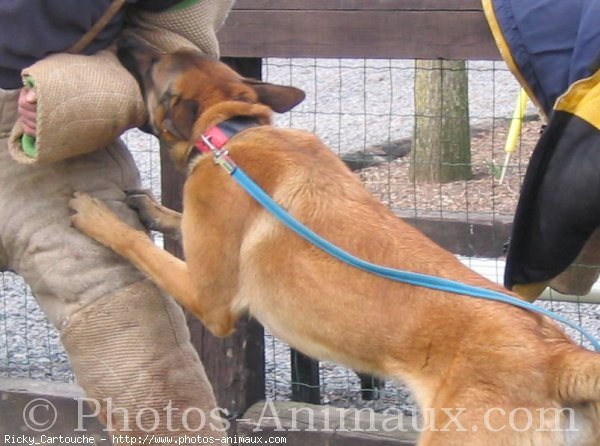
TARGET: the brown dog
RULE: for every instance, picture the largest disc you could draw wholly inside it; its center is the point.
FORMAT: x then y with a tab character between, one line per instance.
484	373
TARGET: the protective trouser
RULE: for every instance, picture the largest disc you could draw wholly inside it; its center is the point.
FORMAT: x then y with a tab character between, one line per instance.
128	344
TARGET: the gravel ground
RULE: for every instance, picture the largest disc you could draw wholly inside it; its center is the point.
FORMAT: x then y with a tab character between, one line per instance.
353	106
484	193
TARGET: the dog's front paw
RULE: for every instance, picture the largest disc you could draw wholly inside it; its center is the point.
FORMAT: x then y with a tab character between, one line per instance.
153	215
145	204
92	217
139	199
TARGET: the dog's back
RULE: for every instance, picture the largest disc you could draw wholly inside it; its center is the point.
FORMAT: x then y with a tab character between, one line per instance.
454	351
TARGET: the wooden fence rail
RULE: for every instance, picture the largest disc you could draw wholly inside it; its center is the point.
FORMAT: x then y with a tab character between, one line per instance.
375	29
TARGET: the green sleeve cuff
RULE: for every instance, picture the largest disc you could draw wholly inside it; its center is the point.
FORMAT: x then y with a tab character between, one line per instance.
28	141
28	145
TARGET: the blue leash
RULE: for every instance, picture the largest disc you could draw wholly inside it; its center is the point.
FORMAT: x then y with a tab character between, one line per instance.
411	278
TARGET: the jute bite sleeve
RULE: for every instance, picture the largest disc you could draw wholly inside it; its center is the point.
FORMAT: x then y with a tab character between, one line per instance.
85	102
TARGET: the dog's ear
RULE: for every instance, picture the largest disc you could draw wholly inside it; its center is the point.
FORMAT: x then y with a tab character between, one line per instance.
279	98
180	118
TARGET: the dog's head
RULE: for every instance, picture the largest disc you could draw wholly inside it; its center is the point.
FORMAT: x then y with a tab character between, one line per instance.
178	87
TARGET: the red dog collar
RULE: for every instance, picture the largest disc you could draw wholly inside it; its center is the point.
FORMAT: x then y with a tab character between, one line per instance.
213	139
223	132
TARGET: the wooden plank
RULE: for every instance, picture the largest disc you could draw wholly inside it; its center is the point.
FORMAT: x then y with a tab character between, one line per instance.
472	235
307	424
358	34
306	382
370	387
359	5
234	365
20	400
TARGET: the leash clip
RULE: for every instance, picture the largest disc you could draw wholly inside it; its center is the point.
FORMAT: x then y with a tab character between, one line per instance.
220	157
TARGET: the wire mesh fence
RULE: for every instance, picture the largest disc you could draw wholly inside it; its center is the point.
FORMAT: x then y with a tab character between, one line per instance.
365	111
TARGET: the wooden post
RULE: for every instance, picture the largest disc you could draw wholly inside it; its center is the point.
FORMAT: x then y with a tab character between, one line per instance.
306	384
236	365
370	387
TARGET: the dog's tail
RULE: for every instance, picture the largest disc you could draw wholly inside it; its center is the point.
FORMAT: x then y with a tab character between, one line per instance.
578	377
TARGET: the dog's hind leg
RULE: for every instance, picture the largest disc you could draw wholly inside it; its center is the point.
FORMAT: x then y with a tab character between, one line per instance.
153	215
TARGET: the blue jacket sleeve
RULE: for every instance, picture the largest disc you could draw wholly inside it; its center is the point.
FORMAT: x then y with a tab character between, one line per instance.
31	30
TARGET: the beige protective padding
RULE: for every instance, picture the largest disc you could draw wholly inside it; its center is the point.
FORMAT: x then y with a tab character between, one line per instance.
581	275
194	26
131	353
83	103
65	269
129	345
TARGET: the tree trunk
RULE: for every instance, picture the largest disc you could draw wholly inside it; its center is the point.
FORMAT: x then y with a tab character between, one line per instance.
442	144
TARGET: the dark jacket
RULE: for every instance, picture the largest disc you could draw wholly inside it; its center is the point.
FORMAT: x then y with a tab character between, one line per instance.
553	48
32	29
